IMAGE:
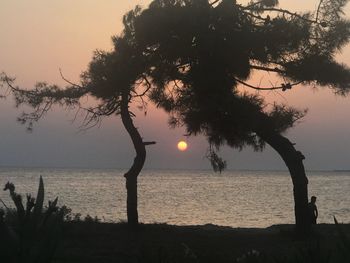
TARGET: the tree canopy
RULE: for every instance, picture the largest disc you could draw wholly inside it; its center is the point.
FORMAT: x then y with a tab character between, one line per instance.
199	53
172	44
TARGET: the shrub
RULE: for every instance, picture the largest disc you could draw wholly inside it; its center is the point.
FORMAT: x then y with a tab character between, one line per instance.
30	232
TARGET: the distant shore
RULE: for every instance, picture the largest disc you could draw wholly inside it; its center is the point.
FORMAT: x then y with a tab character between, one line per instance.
108	242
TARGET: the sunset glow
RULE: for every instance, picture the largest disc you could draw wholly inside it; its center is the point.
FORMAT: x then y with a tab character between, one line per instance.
71	36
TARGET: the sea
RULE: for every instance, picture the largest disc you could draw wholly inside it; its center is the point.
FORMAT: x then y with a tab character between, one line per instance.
186	197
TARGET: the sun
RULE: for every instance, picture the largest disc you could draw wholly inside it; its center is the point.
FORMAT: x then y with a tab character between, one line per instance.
182	146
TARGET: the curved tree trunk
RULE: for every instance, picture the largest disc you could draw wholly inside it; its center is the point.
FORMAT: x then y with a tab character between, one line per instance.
131	175
294	161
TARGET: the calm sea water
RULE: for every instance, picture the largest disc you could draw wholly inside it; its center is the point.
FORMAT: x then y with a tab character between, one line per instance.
234	198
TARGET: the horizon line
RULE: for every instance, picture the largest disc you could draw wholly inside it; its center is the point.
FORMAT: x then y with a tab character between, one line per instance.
163	169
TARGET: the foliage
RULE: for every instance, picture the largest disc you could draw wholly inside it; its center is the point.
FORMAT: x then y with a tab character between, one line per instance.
200	53
30	233
216	161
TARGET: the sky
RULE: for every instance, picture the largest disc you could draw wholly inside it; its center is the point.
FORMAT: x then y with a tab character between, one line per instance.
39	37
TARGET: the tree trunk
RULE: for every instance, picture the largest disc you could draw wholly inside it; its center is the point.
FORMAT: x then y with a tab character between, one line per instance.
131	175
294	161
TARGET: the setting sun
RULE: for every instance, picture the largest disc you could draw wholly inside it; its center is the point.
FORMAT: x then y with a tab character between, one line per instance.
182	146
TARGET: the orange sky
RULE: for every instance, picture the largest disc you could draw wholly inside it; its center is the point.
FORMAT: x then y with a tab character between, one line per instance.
38	37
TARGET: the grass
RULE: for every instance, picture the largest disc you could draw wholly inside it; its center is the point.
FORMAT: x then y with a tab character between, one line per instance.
107	242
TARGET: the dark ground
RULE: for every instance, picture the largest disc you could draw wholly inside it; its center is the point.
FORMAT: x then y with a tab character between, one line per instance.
106	242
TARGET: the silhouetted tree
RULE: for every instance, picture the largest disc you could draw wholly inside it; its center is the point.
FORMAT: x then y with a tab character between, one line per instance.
113	79
199	52
189	56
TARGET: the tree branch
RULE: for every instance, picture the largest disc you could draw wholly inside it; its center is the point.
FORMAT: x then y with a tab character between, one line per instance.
69	82
318	10
149	86
149	143
214	2
283	87
277	70
278	10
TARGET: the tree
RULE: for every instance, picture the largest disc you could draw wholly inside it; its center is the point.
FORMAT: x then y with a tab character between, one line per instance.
189	56
200	52
113	79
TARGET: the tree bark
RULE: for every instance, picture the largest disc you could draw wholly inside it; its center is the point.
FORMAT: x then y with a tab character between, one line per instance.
139	160
294	161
